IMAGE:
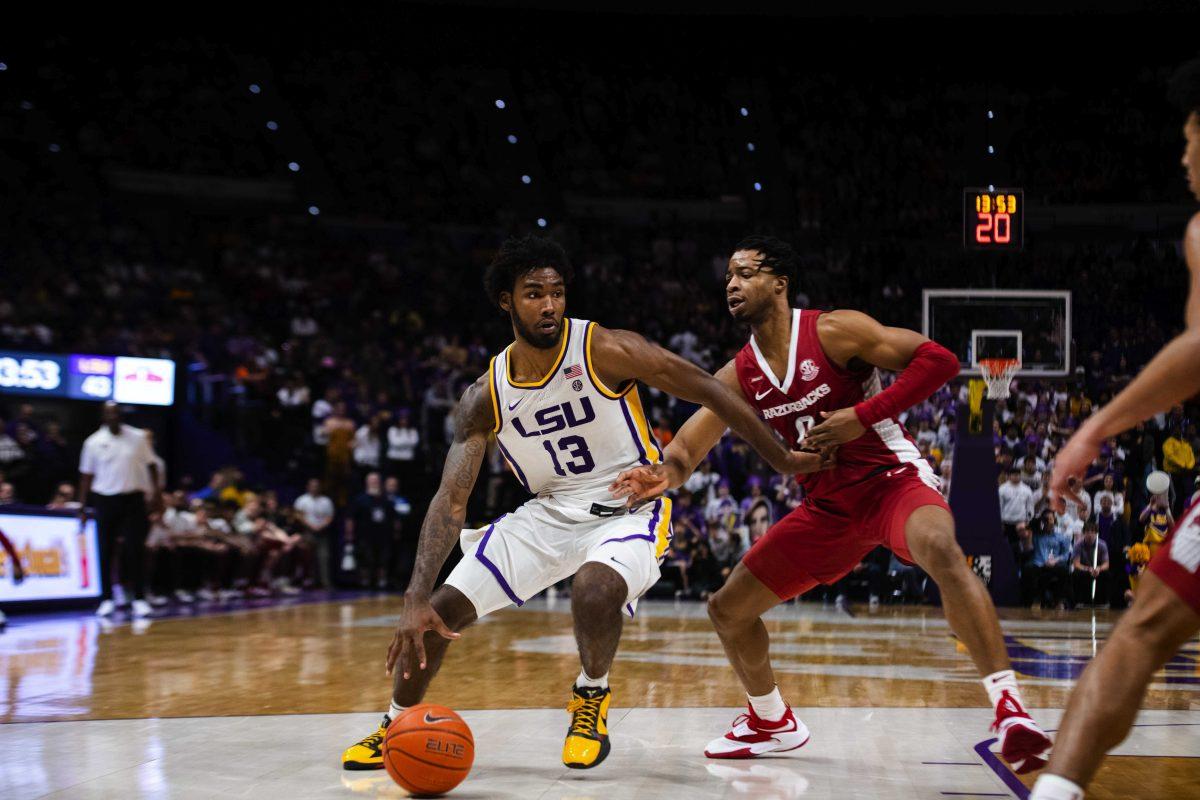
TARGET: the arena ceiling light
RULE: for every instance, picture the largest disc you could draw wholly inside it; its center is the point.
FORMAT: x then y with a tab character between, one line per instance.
272	125
499	103
255	88
314	210
293	166
512	138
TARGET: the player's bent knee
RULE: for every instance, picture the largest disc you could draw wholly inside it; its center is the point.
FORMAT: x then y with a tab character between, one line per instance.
937	551
455	609
1157	624
598	588
724	611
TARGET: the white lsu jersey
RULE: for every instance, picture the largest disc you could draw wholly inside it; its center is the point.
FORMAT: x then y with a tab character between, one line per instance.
568	436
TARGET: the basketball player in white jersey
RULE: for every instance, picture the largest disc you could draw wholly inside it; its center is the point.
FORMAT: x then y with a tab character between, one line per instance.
563	404
1166	614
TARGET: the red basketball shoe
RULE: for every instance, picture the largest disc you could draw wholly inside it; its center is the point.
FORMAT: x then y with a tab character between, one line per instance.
752	736
1023	744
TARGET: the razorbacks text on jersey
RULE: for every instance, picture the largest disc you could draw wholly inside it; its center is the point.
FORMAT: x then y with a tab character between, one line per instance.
813	384
568	436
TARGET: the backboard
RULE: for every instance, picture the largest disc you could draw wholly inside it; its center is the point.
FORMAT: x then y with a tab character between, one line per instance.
1032	325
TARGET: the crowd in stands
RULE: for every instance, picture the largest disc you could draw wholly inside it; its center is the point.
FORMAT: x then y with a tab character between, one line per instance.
1094	551
337	352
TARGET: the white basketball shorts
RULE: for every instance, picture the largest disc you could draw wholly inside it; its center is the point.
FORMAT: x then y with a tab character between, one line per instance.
535	547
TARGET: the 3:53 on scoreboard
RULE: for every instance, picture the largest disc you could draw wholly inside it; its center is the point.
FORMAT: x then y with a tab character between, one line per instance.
993	219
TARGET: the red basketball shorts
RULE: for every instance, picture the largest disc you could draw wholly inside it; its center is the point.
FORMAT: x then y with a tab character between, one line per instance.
828	536
1177	562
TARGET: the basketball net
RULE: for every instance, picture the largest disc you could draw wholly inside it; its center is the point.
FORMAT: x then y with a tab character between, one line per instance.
998	374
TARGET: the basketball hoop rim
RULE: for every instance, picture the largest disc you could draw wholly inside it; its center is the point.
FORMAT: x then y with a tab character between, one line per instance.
996	366
998	374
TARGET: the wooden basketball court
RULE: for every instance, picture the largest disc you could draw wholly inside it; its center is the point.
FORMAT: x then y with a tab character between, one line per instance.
259	702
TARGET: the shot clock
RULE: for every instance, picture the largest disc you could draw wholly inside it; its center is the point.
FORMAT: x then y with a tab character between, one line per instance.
993	219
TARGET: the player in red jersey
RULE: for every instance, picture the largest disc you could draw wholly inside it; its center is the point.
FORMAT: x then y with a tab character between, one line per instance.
1166	614
813	377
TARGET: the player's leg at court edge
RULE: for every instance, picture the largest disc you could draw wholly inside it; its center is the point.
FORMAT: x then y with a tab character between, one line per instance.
1104	703
929	534
769	726
597	594
457	612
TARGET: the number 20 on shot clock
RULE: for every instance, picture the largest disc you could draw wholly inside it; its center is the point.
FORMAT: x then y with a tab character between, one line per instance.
993	219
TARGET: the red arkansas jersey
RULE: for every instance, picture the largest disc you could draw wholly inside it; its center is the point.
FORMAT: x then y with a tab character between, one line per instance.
814	384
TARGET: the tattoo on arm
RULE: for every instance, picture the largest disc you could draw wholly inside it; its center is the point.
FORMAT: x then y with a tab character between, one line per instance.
447	511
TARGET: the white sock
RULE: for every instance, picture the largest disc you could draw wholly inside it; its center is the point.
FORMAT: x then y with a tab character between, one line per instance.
583	681
1052	787
770	707
395	710
1003	681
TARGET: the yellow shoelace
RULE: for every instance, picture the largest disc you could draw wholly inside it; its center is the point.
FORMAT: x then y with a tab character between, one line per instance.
373	741
587	714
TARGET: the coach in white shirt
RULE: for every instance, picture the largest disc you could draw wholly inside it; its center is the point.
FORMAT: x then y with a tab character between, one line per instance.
113	470
1016	504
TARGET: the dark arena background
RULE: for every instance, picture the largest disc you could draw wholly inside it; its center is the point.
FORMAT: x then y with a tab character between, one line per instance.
258	241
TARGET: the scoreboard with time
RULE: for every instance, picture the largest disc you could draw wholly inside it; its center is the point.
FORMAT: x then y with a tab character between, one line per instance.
139	381
993	219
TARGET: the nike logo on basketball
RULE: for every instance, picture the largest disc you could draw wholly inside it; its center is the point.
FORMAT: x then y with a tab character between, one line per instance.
432	720
514	405
758	396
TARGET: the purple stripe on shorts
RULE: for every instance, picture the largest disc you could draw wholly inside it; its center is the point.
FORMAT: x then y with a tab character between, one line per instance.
487	562
646	536
633	430
649	537
629	608
517	467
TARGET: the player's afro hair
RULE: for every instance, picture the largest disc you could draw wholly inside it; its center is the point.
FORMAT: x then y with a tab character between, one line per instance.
1184	88
777	255
520	254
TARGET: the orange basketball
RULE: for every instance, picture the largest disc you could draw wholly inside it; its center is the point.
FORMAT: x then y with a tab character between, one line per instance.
428	750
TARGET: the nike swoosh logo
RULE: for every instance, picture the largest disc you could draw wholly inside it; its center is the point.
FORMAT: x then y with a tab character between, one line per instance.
615	561
789	728
431	720
514	405
761	396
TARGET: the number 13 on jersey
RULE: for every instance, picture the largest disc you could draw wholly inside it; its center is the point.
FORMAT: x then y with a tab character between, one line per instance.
575	447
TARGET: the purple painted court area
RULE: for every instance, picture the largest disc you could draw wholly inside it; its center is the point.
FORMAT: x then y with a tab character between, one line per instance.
984	749
193	610
1031	661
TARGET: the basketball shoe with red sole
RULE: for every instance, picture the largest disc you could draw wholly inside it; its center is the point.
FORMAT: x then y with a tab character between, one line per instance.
752	736
1024	745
